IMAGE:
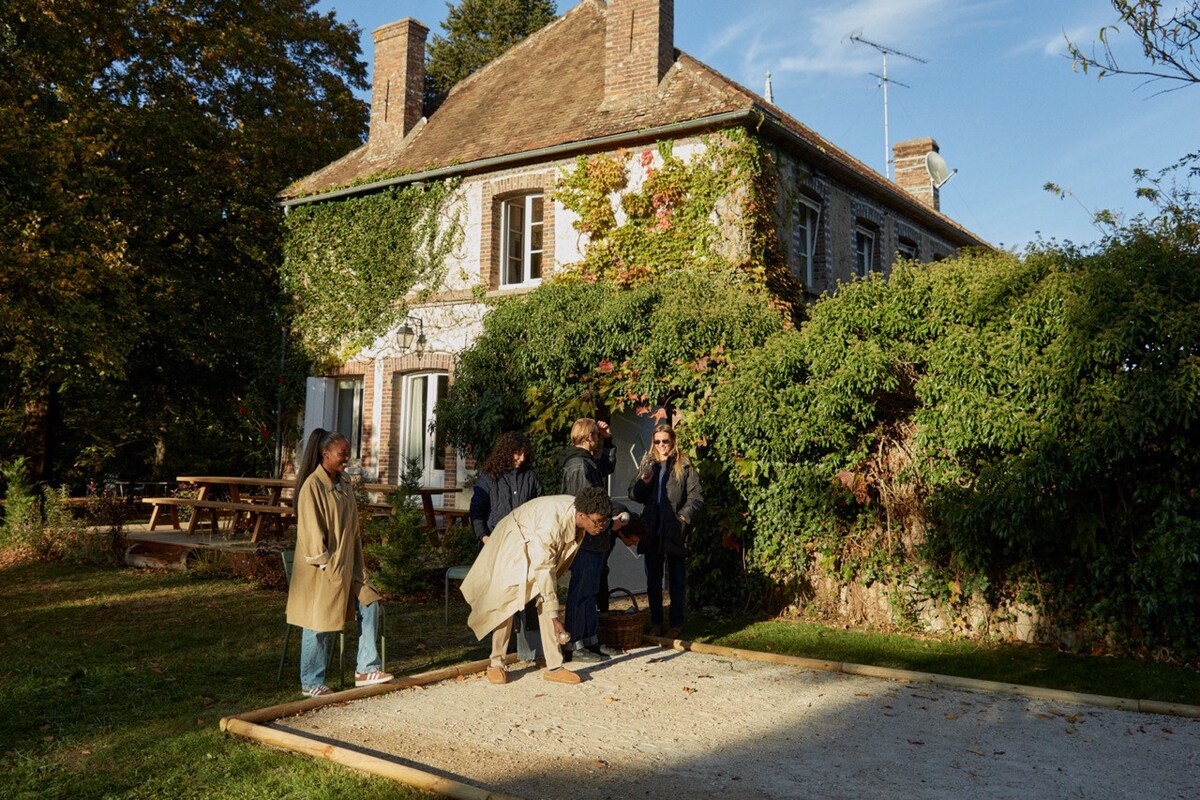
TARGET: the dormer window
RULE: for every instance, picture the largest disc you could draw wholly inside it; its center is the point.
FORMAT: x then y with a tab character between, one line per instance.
521	240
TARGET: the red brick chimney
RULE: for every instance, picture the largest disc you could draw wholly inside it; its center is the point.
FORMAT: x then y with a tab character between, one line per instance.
398	85
908	159
639	47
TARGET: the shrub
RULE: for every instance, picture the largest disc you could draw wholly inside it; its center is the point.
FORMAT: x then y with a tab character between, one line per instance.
22	516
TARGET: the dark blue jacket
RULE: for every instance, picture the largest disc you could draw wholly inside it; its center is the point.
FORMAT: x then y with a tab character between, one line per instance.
494	499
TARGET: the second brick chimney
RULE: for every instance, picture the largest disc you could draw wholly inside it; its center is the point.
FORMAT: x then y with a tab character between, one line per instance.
639	47
908	159
398	84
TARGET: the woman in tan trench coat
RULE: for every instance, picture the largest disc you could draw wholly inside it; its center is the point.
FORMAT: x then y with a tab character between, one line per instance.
520	562
329	582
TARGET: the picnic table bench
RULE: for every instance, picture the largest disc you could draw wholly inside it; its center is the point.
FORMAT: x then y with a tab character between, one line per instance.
273	506
256	513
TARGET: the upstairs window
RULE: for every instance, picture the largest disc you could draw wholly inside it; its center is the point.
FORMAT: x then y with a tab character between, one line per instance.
521	240
808	223
864	251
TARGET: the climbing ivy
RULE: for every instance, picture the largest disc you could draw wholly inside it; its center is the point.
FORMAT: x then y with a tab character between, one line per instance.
710	213
349	264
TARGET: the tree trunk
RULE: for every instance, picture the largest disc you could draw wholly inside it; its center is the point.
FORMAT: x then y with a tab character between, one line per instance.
39	430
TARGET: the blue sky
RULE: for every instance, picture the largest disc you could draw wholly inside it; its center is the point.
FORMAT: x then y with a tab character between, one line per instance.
998	94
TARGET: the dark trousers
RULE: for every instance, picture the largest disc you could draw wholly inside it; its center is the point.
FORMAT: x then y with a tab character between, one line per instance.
582	617
602	592
677	581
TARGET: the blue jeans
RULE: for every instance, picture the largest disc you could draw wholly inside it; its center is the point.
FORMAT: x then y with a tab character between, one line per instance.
582	617
677	578
314	648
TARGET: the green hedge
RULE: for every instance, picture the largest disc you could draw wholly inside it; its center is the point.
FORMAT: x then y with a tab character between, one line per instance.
992	426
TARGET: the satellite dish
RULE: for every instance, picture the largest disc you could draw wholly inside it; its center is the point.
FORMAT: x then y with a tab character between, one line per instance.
939	171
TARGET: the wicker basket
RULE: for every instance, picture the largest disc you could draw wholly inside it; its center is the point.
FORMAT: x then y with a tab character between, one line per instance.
623	629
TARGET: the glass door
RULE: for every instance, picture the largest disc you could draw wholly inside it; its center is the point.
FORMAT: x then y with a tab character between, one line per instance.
418	431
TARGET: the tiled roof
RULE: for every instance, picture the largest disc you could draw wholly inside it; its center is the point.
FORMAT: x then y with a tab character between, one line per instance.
549	91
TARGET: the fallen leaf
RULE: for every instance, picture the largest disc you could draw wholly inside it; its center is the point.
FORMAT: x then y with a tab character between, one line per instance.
1075	718
861	694
600	762
1043	716
1070	731
952	716
689	690
1056	712
611	700
973	750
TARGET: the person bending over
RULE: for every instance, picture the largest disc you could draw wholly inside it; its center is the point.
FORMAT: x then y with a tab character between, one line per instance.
524	556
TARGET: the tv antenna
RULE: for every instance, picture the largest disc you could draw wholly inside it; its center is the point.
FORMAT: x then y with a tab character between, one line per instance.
885	80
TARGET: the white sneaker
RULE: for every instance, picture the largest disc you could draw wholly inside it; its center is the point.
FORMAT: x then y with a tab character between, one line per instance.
371	678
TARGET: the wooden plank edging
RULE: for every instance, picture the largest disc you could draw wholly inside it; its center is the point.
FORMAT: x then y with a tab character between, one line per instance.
362	762
248	726
949	681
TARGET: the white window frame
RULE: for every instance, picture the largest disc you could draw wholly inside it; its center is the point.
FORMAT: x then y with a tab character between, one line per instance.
427	452
809	222
864	256
526	203
907	251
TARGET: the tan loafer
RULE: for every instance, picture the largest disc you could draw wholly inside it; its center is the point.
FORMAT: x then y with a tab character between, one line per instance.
497	675
560	675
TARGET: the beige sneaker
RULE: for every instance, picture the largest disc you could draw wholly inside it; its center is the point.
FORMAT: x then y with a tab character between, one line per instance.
497	675
560	675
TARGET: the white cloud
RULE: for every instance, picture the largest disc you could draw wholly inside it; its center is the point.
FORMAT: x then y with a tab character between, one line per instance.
814	37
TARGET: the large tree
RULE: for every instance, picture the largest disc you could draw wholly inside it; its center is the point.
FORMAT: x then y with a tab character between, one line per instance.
478	31
141	146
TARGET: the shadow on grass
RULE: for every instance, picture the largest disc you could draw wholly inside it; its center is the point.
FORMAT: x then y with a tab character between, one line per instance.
114	681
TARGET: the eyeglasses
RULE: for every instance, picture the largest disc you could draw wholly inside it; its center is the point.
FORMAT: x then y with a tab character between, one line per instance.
662	441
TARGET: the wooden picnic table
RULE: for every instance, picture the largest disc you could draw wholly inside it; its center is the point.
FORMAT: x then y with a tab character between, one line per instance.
273	500
257	513
451	516
234	483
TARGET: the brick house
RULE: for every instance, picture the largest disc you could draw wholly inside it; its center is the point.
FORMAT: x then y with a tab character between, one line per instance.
604	76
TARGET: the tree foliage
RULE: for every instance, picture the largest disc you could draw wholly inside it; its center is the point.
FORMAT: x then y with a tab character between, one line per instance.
1168	34
142	147
478	31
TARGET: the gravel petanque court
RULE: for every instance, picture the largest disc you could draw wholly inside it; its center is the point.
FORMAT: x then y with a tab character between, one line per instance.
661	723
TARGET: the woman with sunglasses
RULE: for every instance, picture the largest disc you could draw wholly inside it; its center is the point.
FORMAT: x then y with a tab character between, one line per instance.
669	488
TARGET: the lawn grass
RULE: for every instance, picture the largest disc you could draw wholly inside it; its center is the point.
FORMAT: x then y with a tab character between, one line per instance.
113	681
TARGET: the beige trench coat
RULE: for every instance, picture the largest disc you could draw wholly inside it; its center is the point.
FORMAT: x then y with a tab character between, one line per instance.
322	600
522	559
